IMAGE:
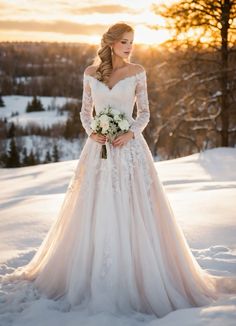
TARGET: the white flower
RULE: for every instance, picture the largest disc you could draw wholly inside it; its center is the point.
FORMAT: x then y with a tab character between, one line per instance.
104	118
115	112
106	110
124	125
104	125
94	124
117	118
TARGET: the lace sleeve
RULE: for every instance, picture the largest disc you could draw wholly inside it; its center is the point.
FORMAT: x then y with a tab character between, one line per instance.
143	113
86	113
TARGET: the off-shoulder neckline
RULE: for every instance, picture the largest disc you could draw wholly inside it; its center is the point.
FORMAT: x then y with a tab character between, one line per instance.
119	81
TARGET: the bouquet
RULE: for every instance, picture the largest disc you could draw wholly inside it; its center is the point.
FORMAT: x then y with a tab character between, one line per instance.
109	122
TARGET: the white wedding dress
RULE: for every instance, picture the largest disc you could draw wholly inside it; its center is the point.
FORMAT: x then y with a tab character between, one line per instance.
116	245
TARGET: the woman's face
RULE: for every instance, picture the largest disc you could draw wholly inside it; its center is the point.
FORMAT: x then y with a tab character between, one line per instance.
123	47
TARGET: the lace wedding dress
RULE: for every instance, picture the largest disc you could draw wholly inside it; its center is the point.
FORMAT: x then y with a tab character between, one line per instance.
116	245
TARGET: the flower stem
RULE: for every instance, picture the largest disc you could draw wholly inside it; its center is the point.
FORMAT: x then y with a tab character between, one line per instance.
104	152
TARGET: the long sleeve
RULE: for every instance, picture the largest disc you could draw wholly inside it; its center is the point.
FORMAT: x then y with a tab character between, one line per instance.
143	113
86	113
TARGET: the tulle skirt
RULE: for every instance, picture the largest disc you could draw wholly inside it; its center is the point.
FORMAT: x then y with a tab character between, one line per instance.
116	245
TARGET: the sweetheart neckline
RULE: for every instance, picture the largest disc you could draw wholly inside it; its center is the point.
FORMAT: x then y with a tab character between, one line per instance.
110	89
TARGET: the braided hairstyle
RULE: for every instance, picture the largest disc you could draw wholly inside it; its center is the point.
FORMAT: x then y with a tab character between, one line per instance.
104	53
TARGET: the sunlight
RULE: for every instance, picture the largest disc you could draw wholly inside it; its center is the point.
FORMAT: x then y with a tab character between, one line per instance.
146	35
70	21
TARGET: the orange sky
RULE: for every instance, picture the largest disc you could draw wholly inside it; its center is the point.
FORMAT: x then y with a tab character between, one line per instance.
77	21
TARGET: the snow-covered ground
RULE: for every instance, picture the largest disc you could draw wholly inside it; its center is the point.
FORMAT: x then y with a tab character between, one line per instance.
202	191
18	103
67	149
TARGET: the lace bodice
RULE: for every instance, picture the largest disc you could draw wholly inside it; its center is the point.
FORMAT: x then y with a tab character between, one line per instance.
122	96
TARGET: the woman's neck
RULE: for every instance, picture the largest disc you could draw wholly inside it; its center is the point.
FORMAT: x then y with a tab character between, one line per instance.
117	63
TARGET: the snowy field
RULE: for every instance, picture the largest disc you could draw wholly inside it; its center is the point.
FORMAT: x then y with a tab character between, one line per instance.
202	191
68	149
18	104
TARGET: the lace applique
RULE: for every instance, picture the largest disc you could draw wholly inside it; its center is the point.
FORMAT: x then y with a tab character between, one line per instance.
143	112
133	158
107	261
115	179
86	113
136	158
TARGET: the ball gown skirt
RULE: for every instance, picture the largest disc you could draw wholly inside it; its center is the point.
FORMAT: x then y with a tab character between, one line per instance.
116	245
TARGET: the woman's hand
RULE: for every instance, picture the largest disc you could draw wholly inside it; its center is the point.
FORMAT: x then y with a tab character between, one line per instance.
101	139
123	139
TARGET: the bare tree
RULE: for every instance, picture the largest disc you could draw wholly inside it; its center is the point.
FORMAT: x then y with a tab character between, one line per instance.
213	23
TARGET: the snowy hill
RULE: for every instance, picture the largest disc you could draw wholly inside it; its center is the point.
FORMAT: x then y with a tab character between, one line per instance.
15	112
202	191
18	104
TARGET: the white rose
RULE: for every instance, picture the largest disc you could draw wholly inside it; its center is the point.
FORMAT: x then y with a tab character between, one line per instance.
104	118
117	118
124	125
115	112
105	126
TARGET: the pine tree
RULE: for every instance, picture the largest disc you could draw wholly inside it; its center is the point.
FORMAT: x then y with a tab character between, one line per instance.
31	158
11	131
55	153
35	105
48	158
2	104
68	129
25	160
37	157
13	158
3	160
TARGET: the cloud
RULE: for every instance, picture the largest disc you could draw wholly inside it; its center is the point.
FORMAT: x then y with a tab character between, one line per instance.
3	6
59	26
104	9
61	7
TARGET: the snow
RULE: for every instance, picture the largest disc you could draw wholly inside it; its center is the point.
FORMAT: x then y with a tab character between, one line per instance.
202	191
14	103
67	149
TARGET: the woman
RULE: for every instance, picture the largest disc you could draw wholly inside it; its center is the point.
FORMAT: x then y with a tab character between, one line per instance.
116	245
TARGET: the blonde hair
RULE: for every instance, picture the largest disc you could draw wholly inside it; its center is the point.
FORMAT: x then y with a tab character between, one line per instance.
104	53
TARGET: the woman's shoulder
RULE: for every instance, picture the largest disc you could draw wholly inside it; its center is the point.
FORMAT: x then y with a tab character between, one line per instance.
133	69
90	70
136	68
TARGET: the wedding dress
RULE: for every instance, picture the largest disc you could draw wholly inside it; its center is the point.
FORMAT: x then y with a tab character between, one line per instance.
116	245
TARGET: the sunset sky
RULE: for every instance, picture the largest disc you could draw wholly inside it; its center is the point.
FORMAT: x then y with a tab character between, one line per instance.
77	21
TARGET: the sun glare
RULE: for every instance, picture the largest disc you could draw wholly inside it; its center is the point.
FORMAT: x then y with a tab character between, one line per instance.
71	21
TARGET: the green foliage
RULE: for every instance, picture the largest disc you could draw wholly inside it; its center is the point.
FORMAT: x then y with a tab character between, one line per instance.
73	127
11	131
13	158
35	105
25	160
32	158
55	153
48	158
2	104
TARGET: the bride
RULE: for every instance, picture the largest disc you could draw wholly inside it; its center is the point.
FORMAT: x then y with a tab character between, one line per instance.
116	245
